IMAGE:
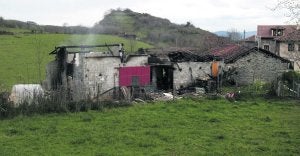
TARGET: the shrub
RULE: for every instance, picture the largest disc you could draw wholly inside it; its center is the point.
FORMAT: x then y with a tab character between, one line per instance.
53	104
290	77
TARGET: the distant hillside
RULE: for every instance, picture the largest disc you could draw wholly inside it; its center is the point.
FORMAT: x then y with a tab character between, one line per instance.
225	33
154	30
10	27
128	24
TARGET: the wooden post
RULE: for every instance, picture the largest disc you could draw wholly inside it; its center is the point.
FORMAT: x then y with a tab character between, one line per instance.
278	88
298	90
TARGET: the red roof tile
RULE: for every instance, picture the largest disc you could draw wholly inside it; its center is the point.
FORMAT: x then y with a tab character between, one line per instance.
226	50
230	53
292	36
265	31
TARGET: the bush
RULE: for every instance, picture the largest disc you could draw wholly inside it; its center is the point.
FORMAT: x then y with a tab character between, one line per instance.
290	77
52	104
6	107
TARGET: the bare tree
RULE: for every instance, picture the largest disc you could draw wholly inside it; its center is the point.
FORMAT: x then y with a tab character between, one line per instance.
39	56
291	9
234	35
132	44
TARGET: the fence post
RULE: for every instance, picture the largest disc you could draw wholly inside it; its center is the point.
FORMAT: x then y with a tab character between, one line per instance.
293	93
298	90
278	88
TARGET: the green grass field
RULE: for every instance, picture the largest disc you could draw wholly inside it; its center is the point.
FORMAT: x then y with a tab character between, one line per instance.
22	54
184	127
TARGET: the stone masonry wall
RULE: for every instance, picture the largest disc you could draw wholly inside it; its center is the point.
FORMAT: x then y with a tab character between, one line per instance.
270	42
100	74
293	56
257	66
190	71
96	75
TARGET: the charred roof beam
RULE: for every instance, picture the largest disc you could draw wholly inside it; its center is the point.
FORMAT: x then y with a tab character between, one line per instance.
57	49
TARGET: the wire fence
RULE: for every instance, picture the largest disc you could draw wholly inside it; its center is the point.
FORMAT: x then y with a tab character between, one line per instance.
284	90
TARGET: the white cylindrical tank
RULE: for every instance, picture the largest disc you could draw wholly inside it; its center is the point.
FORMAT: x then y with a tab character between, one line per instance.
26	93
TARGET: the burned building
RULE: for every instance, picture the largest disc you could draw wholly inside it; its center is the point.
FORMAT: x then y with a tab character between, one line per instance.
83	73
250	64
182	67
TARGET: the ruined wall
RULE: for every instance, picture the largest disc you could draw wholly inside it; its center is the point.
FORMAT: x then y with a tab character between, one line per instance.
100	74
75	83
257	66
137	60
187	72
51	75
87	75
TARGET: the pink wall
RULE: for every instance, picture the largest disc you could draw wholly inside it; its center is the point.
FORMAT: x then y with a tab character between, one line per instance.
126	74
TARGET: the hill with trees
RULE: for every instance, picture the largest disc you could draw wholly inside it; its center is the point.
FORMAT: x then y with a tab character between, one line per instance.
132	25
154	30
9	27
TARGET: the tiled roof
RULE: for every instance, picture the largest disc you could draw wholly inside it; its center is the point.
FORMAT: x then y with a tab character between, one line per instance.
265	31
292	36
232	52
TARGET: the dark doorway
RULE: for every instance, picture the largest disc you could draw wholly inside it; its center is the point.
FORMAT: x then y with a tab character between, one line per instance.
162	77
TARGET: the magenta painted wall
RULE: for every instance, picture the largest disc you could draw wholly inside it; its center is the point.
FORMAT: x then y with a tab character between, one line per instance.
126	74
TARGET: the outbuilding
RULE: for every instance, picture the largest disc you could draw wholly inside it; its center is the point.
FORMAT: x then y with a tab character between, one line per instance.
250	64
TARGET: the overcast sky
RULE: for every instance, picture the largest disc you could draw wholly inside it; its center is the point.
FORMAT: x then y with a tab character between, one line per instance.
211	15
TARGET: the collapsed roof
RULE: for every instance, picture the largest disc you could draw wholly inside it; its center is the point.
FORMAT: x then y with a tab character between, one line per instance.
182	54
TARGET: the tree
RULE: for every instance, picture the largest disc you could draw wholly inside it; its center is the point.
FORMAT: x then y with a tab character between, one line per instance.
132	44
291	9
234	35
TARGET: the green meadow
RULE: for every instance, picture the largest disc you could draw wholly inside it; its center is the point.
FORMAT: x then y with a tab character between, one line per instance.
24	56
189	126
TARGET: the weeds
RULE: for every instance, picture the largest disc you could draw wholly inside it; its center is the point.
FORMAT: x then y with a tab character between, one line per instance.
87	118
214	120
267	119
220	137
54	104
13	131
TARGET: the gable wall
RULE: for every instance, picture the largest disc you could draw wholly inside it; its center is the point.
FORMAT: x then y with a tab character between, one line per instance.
257	66
291	55
271	43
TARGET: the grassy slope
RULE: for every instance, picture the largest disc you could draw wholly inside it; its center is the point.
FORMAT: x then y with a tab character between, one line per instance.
185	127
19	53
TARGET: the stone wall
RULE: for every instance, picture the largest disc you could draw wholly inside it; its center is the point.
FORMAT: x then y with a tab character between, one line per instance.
136	60
97	73
293	56
187	72
51	75
100	74
271	43
257	66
